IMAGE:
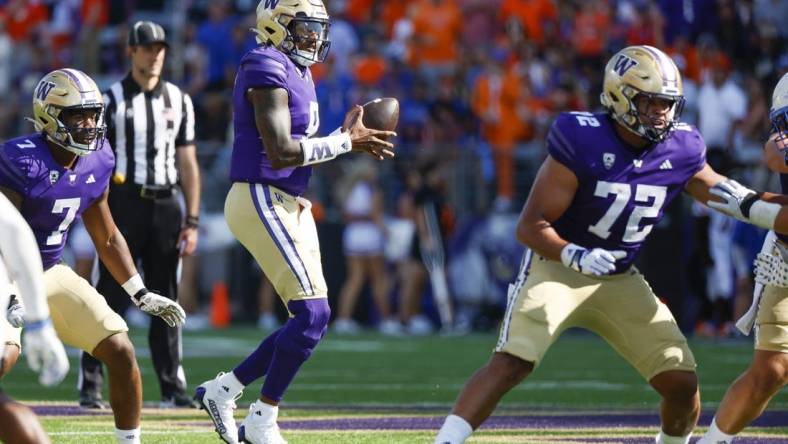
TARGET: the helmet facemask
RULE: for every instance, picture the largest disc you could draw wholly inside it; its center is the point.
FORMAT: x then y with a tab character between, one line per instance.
306	41
78	139
778	113
634	119
779	120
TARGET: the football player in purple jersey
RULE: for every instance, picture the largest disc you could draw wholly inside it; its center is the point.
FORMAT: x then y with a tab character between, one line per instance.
751	392
604	185
275	115
53	176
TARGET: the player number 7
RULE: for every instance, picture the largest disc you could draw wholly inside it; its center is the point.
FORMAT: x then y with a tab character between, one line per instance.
70	206
623	191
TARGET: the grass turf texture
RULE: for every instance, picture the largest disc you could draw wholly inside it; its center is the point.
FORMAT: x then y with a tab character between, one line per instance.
386	379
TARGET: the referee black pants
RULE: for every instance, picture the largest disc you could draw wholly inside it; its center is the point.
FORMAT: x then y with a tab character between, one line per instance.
151	228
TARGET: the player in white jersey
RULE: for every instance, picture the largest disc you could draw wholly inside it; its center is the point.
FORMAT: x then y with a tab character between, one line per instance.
749	395
20	268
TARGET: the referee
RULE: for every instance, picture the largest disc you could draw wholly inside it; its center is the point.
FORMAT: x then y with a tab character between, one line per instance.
150	125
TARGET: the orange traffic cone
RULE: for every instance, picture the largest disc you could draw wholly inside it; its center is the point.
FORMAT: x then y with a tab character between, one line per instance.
220	305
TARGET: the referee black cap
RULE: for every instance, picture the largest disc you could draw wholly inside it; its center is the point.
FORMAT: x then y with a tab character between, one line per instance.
143	33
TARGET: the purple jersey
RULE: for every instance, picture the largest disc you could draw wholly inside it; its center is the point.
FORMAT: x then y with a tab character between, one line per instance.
621	193
53	196
266	67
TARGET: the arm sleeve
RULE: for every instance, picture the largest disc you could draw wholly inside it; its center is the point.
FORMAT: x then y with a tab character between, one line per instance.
186	132
264	72
19	252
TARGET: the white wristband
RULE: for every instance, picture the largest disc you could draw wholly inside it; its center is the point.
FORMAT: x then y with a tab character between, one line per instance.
763	214
134	285
323	149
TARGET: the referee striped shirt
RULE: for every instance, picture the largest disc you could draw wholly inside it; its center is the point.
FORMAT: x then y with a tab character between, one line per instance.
144	129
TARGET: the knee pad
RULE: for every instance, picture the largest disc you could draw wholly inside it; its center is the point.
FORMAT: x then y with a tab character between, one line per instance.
304	330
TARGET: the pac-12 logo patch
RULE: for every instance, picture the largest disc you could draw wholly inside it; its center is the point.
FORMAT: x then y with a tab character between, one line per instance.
53	177
608	159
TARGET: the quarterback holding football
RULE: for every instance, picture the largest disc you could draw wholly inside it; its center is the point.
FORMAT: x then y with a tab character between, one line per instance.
275	116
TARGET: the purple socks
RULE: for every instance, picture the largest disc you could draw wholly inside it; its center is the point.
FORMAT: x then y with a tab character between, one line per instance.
283	352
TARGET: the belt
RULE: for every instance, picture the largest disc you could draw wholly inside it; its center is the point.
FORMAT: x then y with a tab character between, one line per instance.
151	191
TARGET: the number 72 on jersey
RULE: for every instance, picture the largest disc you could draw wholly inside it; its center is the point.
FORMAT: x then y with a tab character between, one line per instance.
652	197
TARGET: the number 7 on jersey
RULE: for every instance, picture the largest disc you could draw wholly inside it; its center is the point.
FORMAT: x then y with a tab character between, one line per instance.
70	206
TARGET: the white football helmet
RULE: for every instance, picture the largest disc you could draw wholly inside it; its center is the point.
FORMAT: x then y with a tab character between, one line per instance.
292	26
642	70
66	89
778	114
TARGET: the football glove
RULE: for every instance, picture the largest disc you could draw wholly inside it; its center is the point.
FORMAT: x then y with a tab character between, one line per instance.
45	353
594	262
738	199
772	269
15	313
158	305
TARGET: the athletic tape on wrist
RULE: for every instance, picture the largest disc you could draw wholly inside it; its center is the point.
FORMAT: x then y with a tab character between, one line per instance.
323	149
763	214
135	287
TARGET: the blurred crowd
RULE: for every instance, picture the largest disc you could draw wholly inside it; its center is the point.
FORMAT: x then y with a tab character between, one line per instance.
479	83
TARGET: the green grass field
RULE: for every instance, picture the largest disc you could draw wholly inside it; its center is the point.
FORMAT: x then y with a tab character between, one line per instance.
355	385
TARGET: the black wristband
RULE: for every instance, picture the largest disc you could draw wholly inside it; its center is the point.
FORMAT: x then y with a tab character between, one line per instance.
139	295
192	222
748	202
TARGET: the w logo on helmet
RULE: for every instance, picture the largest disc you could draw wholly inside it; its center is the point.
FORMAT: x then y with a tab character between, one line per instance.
623	64
43	90
271	4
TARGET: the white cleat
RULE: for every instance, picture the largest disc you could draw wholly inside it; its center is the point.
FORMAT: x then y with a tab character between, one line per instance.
220	407
259	426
